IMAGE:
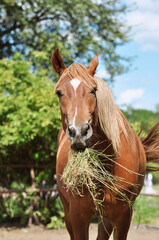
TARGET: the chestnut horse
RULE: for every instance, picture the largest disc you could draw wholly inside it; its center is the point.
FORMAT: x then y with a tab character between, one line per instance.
89	115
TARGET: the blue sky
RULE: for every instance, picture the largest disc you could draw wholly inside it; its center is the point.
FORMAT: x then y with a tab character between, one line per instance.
140	86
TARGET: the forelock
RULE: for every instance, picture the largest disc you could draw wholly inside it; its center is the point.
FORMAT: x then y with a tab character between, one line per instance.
79	71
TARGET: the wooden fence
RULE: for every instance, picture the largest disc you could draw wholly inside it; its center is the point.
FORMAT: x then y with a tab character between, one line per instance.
32	176
150	194
35	190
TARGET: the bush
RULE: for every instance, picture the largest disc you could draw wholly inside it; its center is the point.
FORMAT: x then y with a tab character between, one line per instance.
29	124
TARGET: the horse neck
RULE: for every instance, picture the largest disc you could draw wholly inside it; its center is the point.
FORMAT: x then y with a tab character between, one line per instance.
100	142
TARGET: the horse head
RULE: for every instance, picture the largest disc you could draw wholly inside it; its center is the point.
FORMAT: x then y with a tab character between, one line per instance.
76	90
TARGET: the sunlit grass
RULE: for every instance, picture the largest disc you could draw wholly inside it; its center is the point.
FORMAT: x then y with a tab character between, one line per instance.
146	210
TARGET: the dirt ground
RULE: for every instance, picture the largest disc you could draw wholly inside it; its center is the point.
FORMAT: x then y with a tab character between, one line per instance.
143	232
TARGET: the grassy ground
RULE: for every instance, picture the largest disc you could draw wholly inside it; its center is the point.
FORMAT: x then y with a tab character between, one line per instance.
147	209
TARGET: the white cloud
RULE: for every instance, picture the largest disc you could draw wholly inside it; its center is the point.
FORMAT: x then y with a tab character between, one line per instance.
145	21
123	78
152	5
138	106
148	47
130	95
102	73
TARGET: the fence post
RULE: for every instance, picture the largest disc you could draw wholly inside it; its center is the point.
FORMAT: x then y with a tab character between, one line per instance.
32	175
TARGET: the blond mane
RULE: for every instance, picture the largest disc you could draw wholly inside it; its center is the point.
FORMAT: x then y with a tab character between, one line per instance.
111	119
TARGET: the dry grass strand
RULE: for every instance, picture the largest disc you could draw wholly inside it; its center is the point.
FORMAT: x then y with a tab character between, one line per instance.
86	170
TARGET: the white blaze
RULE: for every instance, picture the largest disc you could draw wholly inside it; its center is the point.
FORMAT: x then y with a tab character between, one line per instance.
74	119
75	83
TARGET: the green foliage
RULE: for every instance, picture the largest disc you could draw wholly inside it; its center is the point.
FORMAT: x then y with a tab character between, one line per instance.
29	124
136	126
157	108
56	223
58	220
142	116
156	177
47	209
29	113
146	210
16	207
138	118
77	27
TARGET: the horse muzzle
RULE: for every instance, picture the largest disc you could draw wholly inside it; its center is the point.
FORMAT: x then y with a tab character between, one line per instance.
79	136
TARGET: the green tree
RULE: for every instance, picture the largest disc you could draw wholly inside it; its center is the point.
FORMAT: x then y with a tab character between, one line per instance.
77	27
157	108
142	116
29	123
29	117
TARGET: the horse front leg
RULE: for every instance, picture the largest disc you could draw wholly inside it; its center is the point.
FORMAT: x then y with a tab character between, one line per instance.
123	224
67	215
105	229
80	220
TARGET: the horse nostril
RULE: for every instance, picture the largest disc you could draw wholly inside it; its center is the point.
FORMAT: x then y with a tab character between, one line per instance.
84	129
72	131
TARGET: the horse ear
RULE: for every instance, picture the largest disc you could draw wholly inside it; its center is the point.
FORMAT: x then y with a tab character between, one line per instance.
93	65
57	62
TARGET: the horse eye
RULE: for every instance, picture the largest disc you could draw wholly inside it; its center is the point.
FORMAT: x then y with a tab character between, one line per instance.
94	91
59	94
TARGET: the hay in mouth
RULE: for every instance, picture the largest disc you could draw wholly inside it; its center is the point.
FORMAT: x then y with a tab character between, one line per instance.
86	170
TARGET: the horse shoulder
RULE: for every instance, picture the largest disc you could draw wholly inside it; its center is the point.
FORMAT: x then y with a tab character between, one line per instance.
60	136
131	160
62	152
